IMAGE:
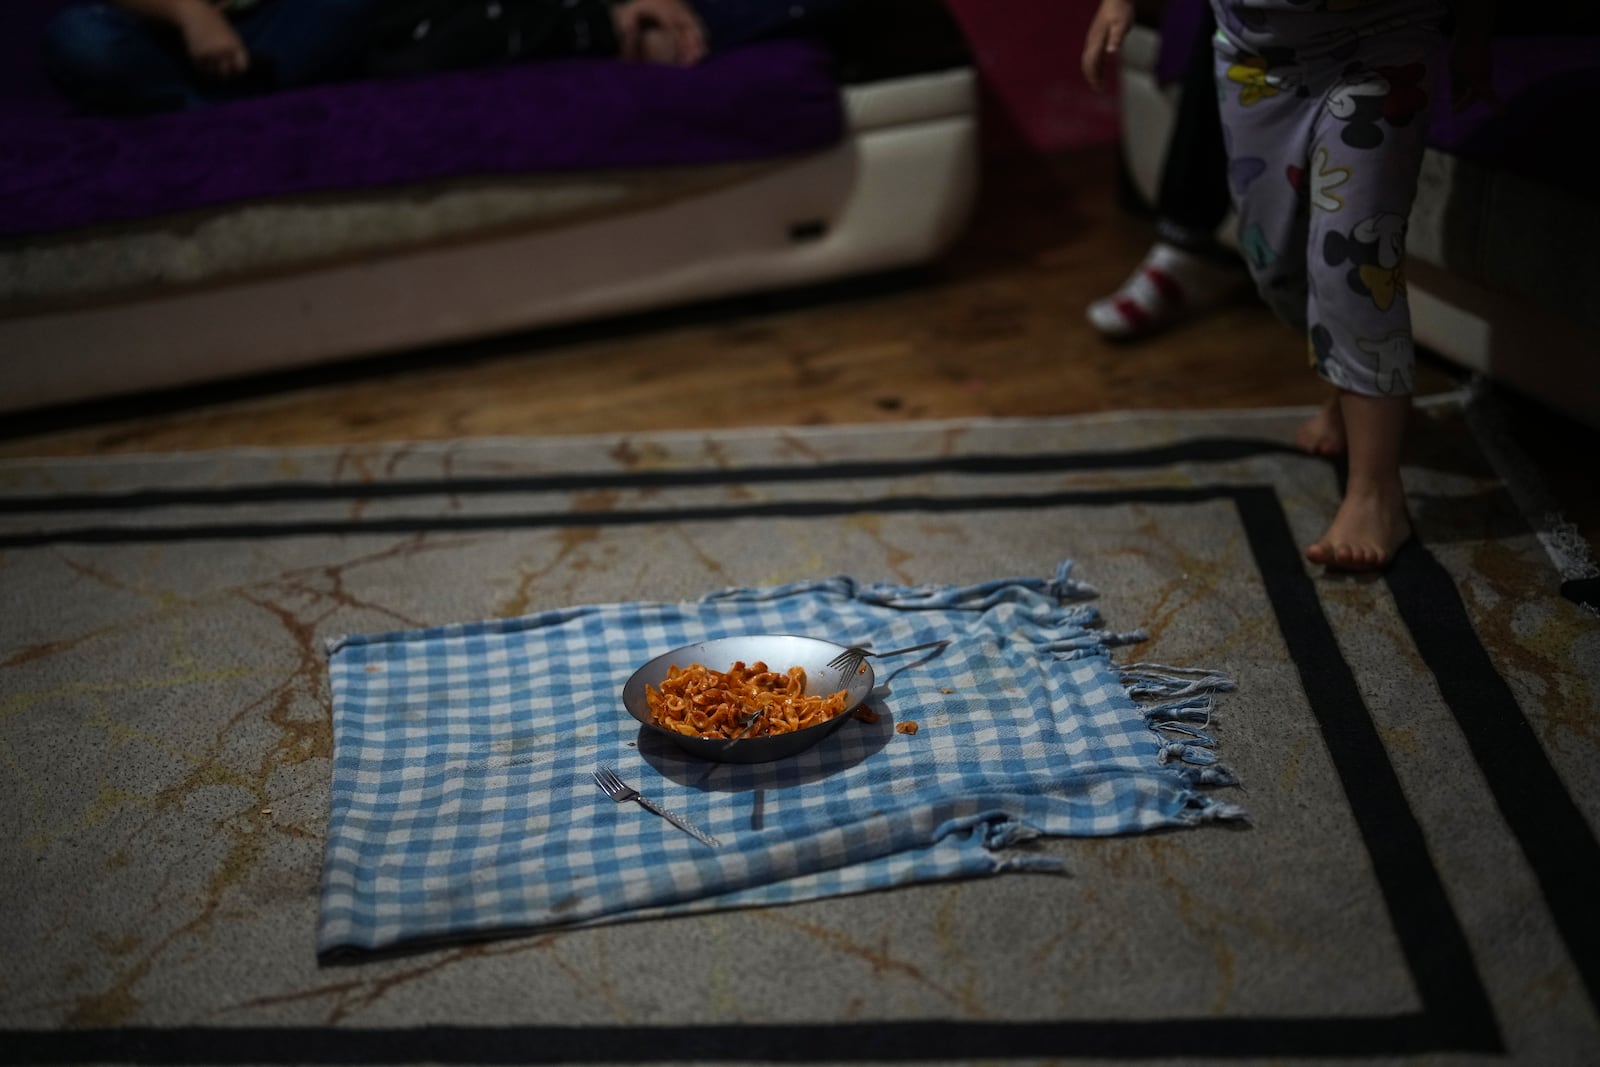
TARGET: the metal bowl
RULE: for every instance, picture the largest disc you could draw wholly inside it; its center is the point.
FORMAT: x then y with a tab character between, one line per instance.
779	652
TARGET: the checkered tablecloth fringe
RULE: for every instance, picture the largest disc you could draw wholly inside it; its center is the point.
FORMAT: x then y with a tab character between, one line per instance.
463	803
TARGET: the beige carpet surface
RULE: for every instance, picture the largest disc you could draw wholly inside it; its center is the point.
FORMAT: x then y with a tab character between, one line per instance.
1417	882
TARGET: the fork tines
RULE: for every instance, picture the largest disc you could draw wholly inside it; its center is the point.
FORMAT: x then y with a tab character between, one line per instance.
608	780
848	660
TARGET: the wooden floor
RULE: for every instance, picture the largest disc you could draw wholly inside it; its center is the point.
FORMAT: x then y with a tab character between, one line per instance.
996	328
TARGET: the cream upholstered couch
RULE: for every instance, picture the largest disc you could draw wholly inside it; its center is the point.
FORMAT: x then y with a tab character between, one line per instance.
290	282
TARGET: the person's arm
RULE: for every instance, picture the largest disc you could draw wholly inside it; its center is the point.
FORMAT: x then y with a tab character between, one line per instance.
213	45
1110	26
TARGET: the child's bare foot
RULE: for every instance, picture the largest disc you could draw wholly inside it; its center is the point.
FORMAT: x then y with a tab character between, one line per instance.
1323	434
1369	528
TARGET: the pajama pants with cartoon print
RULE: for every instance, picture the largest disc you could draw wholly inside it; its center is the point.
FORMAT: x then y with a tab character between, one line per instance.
1324	147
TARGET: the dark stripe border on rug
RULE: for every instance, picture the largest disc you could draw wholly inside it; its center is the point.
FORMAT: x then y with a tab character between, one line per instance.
1455	1014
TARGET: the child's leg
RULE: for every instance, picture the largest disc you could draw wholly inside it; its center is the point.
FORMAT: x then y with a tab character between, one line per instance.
1193	197
1371	523
1267	125
1269	120
1362	178
1323	434
1186	272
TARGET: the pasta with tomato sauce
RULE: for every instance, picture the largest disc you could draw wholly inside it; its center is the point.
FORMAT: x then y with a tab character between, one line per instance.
697	701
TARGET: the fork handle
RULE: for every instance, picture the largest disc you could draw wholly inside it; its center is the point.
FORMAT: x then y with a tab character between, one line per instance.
911	648
677	820
744	731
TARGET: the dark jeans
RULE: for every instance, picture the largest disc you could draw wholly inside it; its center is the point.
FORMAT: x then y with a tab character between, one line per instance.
1193	198
734	22
105	58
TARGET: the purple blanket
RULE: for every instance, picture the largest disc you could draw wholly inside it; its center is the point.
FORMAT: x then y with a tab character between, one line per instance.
60	171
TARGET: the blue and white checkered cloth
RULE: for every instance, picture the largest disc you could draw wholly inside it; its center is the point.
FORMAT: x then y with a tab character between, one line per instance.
463	803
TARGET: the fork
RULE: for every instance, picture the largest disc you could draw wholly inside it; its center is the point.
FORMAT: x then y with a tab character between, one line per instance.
849	661
621	792
744	729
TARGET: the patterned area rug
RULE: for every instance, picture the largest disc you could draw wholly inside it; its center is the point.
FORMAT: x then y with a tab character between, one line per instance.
1416	752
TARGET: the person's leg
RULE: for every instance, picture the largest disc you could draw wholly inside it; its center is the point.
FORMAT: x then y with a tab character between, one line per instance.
1371	523
730	23
306	42
106	59
1170	284
1267	128
1362	178
1323	434
1193	196
1186	271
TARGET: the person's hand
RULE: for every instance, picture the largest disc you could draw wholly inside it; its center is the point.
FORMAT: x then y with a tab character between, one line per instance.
660	31
214	46
1110	26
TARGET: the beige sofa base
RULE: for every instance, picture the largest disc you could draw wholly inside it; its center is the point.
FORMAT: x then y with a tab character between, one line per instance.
896	192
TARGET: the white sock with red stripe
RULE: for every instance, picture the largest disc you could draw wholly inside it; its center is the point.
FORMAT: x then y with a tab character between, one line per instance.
1168	285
